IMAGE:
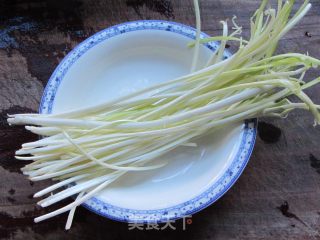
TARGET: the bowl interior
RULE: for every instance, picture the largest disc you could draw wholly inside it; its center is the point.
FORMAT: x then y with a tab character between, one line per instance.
133	61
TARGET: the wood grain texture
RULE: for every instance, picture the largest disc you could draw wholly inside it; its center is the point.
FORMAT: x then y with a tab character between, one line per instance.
277	196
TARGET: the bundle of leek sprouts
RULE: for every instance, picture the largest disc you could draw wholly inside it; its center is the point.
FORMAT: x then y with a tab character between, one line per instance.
96	145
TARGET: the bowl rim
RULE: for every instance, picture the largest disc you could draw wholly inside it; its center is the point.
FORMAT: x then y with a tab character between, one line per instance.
216	190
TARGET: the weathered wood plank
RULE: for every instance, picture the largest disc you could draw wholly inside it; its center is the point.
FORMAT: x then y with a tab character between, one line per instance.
277	197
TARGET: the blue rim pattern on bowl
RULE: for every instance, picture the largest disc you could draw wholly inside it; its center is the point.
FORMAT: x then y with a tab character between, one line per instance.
214	192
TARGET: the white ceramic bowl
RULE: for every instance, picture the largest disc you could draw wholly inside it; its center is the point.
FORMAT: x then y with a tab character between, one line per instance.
128	57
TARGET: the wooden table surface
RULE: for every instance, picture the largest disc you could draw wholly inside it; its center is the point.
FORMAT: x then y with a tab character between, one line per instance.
277	196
